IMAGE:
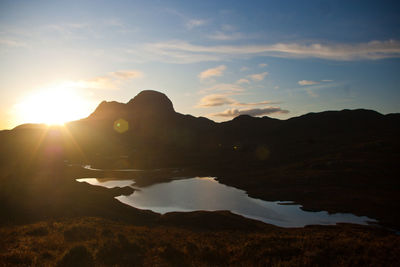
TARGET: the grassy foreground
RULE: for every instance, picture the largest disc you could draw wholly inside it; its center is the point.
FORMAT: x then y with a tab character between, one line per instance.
89	241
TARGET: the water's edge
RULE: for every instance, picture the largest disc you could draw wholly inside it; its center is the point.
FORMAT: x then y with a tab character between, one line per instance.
206	193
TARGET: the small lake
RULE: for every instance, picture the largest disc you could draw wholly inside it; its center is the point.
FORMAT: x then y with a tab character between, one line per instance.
206	193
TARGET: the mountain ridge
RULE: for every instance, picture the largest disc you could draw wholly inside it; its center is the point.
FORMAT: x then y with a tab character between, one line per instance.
310	159
146	100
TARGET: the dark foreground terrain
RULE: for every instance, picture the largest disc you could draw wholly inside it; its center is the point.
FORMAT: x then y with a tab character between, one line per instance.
90	241
343	161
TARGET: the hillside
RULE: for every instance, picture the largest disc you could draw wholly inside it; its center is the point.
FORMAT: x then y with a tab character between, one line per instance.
340	161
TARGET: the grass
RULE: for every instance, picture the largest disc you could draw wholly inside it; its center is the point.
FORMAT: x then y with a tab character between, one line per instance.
89	241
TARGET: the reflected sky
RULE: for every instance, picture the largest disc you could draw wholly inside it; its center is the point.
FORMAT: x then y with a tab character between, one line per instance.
107	182
205	193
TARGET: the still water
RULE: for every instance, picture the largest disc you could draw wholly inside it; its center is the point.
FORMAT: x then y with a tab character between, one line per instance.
206	193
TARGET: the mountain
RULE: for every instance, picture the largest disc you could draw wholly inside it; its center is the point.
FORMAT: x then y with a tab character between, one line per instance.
147	103
340	161
148	133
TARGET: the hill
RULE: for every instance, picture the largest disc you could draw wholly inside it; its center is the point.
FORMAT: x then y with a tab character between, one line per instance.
340	161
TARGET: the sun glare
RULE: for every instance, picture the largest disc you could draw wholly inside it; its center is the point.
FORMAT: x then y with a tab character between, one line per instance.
55	105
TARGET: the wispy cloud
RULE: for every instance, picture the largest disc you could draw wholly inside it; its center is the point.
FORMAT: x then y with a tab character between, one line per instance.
242	81
99	82
227	88
114	22
252	112
68	28
110	81
215	100
262	65
258	76
181	50
223	36
261	103
189	22
11	43
127	74
217	71
192	23
307	82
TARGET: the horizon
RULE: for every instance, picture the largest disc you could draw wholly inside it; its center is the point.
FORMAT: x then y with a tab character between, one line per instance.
227	120
212	59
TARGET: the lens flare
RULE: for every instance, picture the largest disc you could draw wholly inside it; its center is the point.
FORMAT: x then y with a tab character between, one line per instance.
121	125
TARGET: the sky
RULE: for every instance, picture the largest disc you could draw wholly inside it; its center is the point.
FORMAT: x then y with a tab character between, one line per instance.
217	59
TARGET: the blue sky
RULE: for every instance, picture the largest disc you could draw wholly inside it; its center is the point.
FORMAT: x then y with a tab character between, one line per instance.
216	59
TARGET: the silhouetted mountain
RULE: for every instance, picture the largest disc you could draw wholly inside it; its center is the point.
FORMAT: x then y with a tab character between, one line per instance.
311	159
30	126
147	103
147	132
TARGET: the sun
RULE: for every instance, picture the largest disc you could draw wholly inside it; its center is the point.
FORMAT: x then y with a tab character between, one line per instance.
54	105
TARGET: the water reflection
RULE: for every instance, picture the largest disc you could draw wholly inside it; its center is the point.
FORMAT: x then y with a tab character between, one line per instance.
205	193
107	182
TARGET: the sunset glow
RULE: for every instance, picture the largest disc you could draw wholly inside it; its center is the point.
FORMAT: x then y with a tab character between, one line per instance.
53	105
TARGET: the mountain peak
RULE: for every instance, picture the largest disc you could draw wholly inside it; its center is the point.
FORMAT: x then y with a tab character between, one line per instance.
151	101
146	103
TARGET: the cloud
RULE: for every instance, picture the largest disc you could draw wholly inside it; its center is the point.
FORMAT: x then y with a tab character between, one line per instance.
222	36
110	81
244	68
215	100
217	71
258	77
195	23
114	22
262	65
72	30
11	43
183	52
99	82
307	82
224	87
241	81
252	112
261	103
127	74
228	27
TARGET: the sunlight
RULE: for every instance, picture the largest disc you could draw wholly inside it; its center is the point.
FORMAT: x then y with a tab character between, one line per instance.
54	105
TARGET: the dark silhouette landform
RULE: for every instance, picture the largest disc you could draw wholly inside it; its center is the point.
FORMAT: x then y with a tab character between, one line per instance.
338	161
